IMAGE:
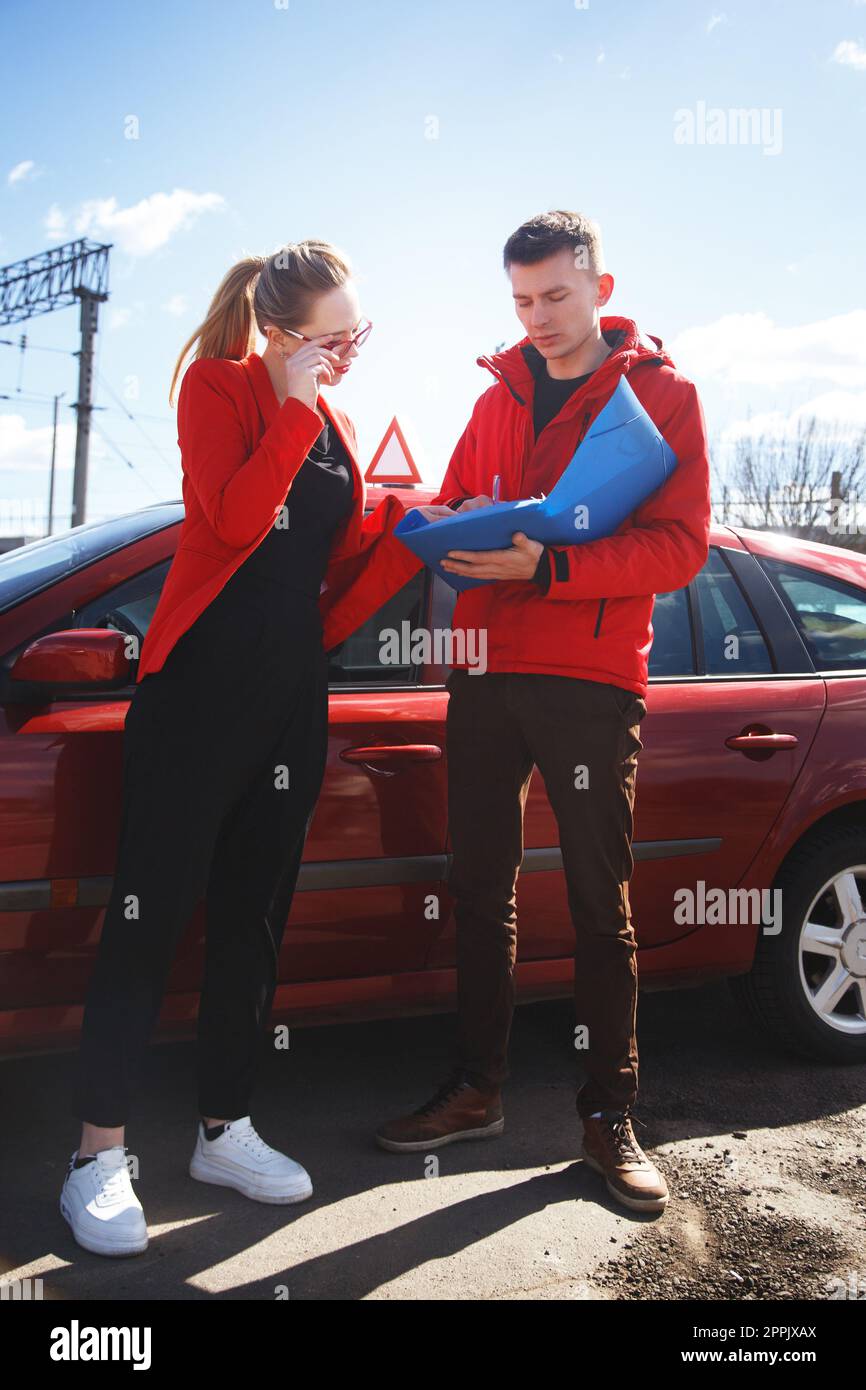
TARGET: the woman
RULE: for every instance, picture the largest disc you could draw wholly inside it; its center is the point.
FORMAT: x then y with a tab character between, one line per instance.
225	739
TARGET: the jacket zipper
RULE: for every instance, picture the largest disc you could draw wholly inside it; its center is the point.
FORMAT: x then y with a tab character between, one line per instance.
602	601
486	362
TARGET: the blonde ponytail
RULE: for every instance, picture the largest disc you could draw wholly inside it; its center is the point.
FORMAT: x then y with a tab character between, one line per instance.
286	284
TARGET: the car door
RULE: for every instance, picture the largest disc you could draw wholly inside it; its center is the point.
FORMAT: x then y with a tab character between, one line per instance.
61	785
706	796
382	808
370	886
723	748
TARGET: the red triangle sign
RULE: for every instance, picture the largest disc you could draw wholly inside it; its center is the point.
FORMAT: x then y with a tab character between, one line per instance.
392	461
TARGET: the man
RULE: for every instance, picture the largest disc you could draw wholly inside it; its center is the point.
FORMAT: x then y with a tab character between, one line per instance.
568	637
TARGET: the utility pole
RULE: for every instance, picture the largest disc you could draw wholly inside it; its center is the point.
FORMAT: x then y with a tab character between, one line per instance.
89	322
53	280
53	458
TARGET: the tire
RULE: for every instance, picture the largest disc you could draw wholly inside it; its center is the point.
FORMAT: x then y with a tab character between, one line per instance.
777	993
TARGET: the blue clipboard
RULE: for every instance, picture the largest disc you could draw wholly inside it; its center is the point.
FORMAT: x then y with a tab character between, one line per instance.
622	459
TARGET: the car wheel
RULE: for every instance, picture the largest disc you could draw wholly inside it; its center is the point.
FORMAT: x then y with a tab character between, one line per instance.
807	986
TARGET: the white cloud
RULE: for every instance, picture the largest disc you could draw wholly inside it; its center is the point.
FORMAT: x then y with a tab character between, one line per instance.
139	230
25	466
850	54
844	411
54	222
715	20
25	450
177	305
119	318
22	172
750	349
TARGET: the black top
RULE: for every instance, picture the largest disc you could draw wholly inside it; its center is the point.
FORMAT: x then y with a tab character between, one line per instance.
294	554
551	393
550	396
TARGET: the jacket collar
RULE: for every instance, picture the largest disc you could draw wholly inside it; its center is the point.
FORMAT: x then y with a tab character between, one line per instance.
516	367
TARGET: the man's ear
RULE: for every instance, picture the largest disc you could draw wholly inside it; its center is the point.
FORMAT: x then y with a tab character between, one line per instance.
605	290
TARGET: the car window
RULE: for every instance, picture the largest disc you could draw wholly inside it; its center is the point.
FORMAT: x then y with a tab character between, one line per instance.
32	567
362	657
381	649
129	607
733	644
672	651
830	615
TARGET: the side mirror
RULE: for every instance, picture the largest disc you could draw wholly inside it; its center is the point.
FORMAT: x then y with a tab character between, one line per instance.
72	661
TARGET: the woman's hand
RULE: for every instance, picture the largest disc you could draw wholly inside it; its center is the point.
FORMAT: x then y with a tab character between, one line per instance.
472	502
304	368
432	513
437	512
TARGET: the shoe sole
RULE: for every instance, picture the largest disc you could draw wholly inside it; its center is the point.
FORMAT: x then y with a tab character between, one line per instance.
97	1247
400	1146
635	1203
202	1172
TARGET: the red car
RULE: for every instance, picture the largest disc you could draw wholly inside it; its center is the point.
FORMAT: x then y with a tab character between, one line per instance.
752	777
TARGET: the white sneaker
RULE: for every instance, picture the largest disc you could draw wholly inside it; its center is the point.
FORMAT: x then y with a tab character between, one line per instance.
98	1202
240	1158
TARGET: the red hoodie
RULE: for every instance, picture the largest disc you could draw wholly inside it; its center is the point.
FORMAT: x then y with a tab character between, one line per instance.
595	619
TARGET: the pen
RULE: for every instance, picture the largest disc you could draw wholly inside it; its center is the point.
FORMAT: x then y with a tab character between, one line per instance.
496	488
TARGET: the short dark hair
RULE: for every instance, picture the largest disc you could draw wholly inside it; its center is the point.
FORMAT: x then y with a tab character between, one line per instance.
549	232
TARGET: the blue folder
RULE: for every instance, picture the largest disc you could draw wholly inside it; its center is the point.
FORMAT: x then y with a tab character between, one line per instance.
622	459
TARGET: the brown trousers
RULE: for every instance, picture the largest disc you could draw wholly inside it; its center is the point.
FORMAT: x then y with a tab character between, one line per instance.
584	738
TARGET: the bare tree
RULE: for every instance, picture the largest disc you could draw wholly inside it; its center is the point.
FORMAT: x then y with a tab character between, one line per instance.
811	484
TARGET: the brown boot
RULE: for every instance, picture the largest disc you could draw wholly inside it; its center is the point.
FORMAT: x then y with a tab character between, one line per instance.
458	1110
609	1146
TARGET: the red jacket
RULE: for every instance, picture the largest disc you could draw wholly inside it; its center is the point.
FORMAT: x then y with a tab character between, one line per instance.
240	450
594	621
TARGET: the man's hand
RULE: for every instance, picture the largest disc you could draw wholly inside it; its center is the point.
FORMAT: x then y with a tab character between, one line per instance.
520	562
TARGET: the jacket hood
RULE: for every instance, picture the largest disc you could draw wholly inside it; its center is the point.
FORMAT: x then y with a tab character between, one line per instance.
517	366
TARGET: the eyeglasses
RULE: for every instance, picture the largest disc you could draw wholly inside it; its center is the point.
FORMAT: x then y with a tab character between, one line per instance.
338	345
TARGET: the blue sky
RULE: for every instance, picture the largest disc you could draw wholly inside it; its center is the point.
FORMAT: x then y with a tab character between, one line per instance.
417	138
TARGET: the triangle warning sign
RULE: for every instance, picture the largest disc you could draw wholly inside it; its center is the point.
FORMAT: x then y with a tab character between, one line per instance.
392	461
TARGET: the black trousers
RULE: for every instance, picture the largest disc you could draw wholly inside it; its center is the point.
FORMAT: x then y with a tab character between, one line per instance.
584	738
223	759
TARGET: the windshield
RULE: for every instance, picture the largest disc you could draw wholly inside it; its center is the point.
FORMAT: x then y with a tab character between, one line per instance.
29	568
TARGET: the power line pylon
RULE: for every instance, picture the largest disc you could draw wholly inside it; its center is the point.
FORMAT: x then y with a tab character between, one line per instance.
54	279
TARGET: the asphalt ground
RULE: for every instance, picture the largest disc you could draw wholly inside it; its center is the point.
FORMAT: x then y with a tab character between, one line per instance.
764	1154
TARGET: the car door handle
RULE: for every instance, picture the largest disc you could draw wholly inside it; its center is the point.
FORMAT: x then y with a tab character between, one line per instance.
757	742
392	754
